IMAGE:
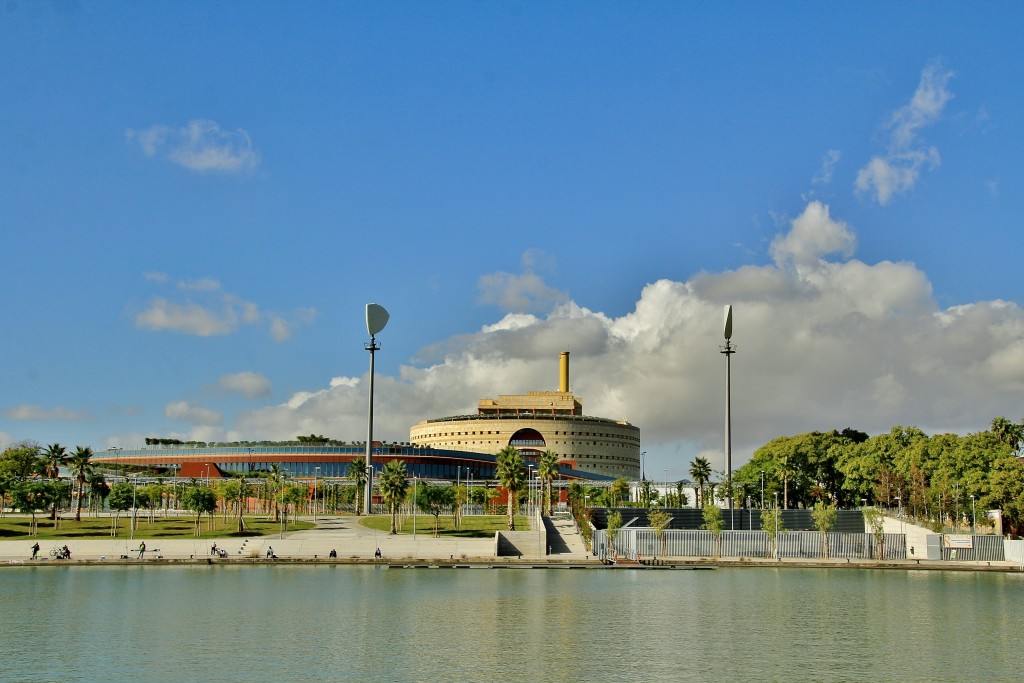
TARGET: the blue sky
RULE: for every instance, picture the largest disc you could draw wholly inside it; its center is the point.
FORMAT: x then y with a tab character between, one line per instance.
197	200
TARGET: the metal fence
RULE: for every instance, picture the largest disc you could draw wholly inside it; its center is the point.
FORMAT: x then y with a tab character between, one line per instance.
644	543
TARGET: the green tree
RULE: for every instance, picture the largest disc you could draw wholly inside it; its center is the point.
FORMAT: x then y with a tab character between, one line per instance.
824	516
357	473
659	521
461	495
20	460
618	491
200	500
81	468
700	471
275	489
99	489
612	528
875	521
509	472
394	484
436	500
1007	432
771	524
50	460
714	523
293	495
150	497
31	495
681	499
547	470
236	492
120	500
576	493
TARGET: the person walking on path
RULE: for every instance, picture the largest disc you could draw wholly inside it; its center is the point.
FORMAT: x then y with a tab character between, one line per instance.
35	550
142	549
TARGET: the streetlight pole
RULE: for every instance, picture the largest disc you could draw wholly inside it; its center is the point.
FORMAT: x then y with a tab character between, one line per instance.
728	350
643	459
778	513
135	484
762	489
316	471
376	319
974	516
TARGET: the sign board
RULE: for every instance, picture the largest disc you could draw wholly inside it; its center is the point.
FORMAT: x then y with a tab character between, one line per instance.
958	540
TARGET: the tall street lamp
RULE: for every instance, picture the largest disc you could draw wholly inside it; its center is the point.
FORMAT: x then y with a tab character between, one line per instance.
728	350
777	515
316	472
762	489
376	319
135	484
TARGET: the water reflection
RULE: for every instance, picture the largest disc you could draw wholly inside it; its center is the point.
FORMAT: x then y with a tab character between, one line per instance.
303	623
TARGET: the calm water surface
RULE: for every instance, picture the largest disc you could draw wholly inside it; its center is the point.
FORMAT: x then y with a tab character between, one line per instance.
309	623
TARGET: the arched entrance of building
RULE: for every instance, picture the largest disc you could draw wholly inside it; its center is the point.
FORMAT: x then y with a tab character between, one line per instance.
530	443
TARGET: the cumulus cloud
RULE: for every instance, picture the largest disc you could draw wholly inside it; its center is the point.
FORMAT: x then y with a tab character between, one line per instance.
201	145
828	167
38	413
898	170
523	292
182	410
813	235
248	384
212	312
824	341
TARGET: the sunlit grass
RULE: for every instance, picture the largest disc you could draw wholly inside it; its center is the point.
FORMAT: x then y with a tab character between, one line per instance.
473	526
180	526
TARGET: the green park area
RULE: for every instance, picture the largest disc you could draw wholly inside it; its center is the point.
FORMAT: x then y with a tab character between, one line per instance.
180	526
472	526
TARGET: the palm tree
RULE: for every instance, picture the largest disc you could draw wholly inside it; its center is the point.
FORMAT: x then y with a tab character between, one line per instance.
547	470
700	470
82	470
49	466
98	488
357	473
276	481
51	459
394	484
509	472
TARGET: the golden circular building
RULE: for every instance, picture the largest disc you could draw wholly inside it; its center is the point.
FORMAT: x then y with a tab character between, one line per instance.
536	422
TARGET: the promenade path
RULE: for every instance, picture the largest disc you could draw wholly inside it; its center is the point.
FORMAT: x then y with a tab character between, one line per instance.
351	540
355	543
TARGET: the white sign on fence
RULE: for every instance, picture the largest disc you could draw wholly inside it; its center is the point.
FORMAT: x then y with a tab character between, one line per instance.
958	540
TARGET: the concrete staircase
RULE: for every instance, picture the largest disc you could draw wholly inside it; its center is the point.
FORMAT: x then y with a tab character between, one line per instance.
563	538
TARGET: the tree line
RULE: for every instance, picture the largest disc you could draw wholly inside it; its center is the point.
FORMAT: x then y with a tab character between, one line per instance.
939	479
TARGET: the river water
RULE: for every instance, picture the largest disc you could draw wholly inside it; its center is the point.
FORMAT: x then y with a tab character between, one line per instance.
311	623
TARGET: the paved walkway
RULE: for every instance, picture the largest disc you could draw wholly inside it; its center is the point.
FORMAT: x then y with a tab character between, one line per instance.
344	534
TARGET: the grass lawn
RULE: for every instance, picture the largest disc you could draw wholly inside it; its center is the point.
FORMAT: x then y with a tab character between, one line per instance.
12	528
473	526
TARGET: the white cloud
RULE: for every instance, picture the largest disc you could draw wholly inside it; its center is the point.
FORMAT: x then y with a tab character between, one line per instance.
830	343
38	413
201	145
187	318
898	170
525	292
248	384
812	235
181	410
828	167
212	312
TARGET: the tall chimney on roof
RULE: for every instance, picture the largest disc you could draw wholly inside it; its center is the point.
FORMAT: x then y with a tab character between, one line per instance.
563	374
